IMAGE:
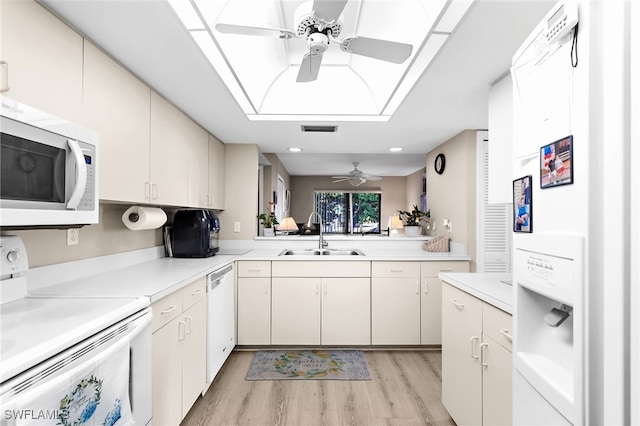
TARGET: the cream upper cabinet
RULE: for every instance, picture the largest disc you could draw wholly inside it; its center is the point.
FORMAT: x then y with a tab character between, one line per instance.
431	298
215	199
197	147
43	59
116	104
169	174
395	303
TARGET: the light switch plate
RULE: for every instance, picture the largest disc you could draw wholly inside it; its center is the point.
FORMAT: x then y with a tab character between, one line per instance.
236	226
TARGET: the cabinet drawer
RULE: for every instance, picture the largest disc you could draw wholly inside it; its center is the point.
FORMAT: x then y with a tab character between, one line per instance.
320	268
395	269
498	325
193	293
432	269
463	304
166	309
254	268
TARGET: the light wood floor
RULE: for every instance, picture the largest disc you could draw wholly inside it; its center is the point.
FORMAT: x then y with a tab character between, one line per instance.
404	390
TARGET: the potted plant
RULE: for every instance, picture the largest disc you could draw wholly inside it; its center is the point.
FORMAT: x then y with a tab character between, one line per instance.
411	220
268	221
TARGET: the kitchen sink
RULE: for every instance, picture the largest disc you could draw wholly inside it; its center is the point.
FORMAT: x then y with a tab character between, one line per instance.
321	252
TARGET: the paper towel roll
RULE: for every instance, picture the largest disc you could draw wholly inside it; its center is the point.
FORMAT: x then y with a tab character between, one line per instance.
139	218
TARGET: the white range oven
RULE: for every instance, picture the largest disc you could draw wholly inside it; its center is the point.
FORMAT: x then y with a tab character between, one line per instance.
70	360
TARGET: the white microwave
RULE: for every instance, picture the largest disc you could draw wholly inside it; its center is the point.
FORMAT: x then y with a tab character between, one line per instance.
49	170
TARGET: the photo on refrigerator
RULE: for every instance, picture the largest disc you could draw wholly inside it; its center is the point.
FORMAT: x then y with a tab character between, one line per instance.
522	205
556	163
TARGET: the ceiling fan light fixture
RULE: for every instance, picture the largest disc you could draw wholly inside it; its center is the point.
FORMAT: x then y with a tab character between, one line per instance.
295	149
395	149
356	182
318	129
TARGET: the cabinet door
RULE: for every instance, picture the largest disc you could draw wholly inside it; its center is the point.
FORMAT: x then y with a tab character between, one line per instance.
194	354
254	311
295	311
496	384
346	311
431	311
168	156
395	311
166	370
461	372
197	146
44	58
216	174
116	105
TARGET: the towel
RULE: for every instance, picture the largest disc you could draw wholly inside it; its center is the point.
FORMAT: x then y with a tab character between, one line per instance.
95	392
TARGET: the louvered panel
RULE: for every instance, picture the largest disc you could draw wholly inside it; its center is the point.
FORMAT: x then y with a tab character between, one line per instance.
496	235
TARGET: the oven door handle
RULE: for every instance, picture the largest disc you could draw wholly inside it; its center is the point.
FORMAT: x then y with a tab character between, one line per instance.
81	175
139	324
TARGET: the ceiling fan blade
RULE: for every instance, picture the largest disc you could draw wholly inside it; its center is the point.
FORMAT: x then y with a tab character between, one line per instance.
309	67
342	179
367	177
254	31
384	50
328	10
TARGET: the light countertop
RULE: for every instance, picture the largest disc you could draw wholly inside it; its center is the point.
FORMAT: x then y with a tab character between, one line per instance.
156	277
489	287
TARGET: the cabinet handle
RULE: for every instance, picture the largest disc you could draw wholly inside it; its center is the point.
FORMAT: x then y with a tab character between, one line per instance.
426	286
418	287
147	190
317	289
197	292
506	334
457	304
181	327
187	322
396	270
4	82
482	346
473	355
154	191
171	309
266	288
324	288
254	270
446	270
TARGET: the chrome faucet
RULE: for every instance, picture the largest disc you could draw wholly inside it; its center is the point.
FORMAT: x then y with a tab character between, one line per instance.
321	242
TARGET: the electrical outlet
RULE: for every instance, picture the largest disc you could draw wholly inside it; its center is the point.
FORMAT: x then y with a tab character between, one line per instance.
236	226
73	236
446	224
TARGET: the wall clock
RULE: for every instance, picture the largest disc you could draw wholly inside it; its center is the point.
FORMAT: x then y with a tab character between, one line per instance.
439	164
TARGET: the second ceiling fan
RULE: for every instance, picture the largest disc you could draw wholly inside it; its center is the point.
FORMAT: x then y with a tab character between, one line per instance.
321	27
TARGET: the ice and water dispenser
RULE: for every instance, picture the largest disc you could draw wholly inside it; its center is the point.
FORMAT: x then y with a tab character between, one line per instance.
549	325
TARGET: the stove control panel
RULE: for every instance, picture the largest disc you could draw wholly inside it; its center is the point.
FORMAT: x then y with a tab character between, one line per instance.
13	256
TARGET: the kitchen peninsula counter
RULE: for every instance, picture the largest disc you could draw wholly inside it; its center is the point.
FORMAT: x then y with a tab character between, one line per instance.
489	287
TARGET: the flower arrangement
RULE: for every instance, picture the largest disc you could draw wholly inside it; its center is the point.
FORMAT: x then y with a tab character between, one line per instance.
413	217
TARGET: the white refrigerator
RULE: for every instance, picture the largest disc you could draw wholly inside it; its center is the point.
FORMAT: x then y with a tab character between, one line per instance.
575	263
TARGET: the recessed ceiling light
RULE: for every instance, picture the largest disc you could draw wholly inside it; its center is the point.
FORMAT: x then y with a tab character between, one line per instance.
295	149
395	149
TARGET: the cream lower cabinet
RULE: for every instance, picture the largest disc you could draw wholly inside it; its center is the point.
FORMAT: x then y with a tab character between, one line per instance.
324	302
395	303
431	298
254	302
476	370
178	352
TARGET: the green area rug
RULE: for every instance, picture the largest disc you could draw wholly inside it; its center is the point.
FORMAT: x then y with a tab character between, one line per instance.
309	364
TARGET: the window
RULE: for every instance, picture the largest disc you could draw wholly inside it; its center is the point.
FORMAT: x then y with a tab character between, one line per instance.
349	212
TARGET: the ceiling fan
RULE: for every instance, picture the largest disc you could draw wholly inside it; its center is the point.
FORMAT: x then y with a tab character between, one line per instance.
320	27
356	177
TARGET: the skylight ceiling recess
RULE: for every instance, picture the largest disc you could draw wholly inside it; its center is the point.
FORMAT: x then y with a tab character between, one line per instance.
261	71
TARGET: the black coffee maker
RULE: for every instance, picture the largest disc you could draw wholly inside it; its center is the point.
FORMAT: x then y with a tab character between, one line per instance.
195	233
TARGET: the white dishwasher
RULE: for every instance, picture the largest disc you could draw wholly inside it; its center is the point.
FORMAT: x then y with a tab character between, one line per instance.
220	319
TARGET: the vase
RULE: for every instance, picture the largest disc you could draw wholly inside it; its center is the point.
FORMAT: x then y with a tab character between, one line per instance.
268	232
412	230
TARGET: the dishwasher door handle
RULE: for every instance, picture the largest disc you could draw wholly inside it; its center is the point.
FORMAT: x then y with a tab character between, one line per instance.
214	284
